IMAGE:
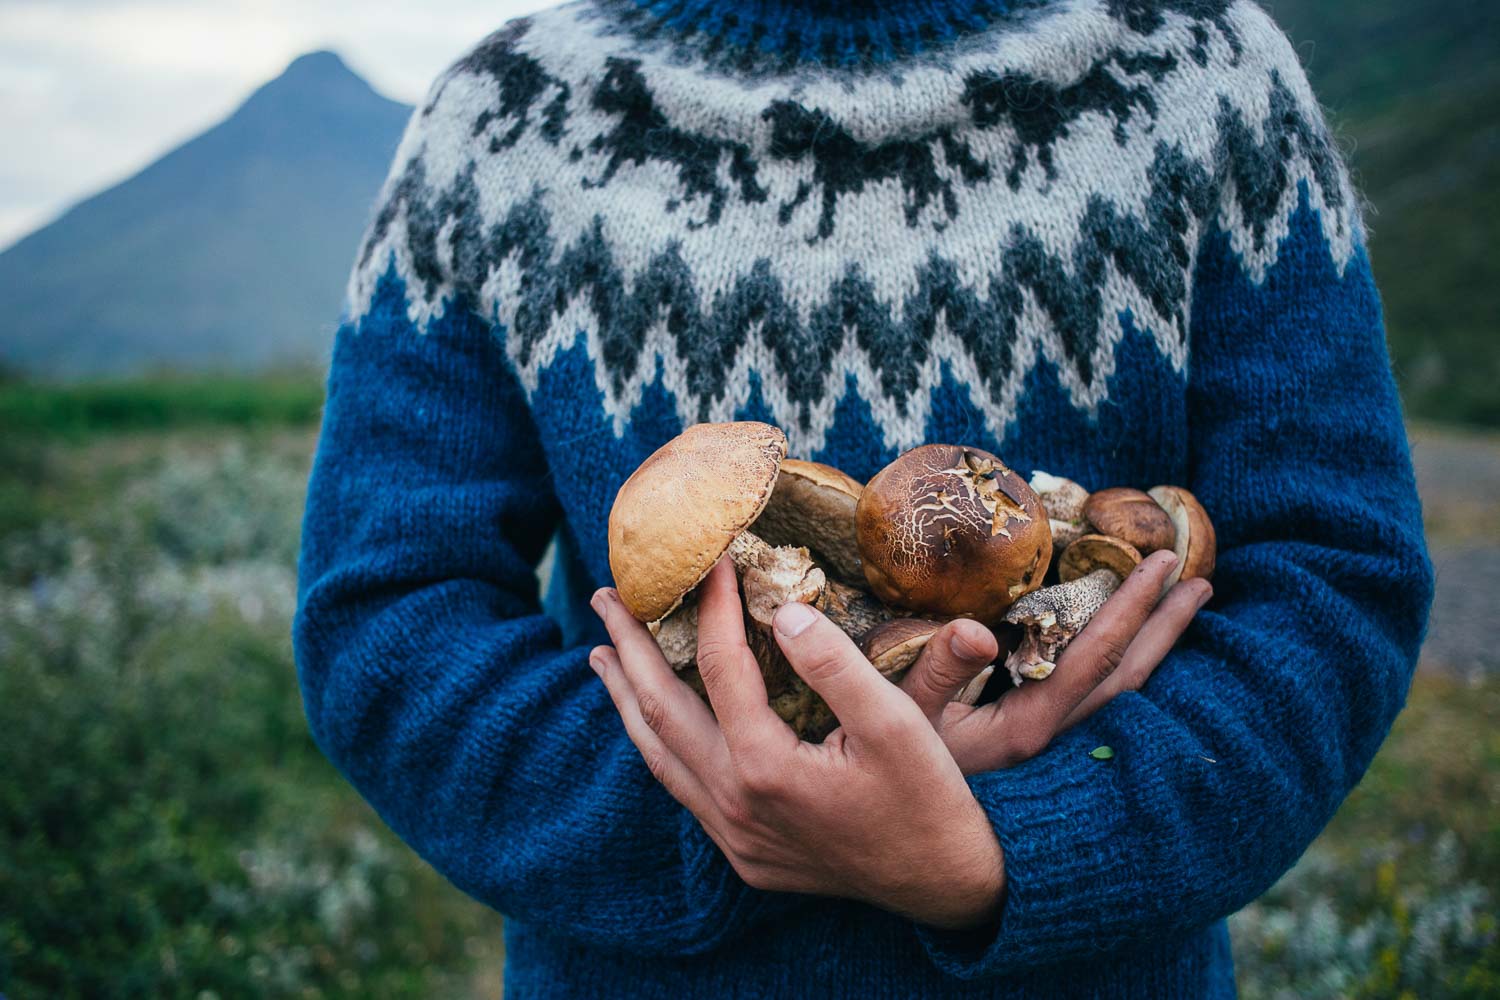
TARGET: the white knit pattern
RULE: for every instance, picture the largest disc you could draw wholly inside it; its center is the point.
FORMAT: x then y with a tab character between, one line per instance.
871	227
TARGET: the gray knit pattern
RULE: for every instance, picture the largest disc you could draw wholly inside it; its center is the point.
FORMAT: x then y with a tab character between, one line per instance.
1007	199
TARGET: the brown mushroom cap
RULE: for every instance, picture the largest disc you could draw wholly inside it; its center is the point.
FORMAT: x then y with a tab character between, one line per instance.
896	644
1196	544
676	514
951	532
1096	552
813	505
1131	516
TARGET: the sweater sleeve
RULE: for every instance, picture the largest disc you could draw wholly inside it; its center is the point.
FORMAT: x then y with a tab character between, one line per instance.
1241	747
430	675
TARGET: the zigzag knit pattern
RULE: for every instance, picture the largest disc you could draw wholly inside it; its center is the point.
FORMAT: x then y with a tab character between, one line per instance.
1004	203
1109	239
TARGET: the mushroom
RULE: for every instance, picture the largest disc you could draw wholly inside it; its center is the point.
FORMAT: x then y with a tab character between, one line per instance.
678	513
1131	516
1195	542
950	532
698	497
813	505
773	575
1093	552
1091	569
677	635
852	610
894	646
1063	501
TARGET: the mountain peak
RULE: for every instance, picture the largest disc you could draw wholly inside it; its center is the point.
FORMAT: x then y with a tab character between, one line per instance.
276	196
321	77
322	63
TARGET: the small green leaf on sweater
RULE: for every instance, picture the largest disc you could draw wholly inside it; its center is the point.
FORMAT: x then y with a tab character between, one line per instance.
1102	753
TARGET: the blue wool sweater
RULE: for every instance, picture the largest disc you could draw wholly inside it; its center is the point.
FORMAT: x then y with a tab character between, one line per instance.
1109	239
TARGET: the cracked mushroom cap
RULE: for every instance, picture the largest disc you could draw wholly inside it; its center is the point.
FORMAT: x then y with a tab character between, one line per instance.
678	513
813	504
951	532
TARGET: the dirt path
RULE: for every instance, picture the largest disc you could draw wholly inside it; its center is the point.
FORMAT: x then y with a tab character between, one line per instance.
1459	476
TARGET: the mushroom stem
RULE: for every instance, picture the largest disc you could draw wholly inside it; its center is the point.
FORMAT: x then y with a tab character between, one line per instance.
1063	501
677	635
1051	618
970	692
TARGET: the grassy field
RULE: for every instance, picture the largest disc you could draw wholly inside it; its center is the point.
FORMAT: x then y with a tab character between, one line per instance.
167	828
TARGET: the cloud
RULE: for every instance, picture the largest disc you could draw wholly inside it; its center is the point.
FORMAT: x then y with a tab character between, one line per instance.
93	90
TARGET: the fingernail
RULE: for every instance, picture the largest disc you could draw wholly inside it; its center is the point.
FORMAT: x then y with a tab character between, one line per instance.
595	665
1168	558
1208	591
964	647
597	602
793	618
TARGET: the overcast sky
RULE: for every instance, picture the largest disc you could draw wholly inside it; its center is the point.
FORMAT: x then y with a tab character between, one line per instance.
93	90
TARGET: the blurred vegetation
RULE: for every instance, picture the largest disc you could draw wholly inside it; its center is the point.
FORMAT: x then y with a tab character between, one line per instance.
168	828
292	397
1398	897
1413	91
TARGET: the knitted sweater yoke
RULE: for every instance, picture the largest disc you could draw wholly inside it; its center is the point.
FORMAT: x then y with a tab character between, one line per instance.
1004	200
1108	239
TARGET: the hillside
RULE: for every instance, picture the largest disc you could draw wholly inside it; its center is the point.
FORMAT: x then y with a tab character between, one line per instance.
229	252
1414	91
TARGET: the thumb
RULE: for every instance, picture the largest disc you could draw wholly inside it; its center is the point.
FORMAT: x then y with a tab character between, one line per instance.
953	657
832	665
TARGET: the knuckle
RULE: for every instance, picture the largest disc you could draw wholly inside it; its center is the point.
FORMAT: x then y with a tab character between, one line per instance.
928	685
820	661
739	814
945	673
717	656
760	778
653	708
656	763
1109	653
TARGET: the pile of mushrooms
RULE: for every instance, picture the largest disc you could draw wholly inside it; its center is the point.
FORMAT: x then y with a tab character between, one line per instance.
942	532
1101	537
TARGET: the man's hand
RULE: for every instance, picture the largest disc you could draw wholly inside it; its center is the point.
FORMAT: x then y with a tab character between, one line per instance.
879	811
1121	647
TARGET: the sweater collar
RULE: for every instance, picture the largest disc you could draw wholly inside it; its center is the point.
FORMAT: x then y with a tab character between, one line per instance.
828	32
